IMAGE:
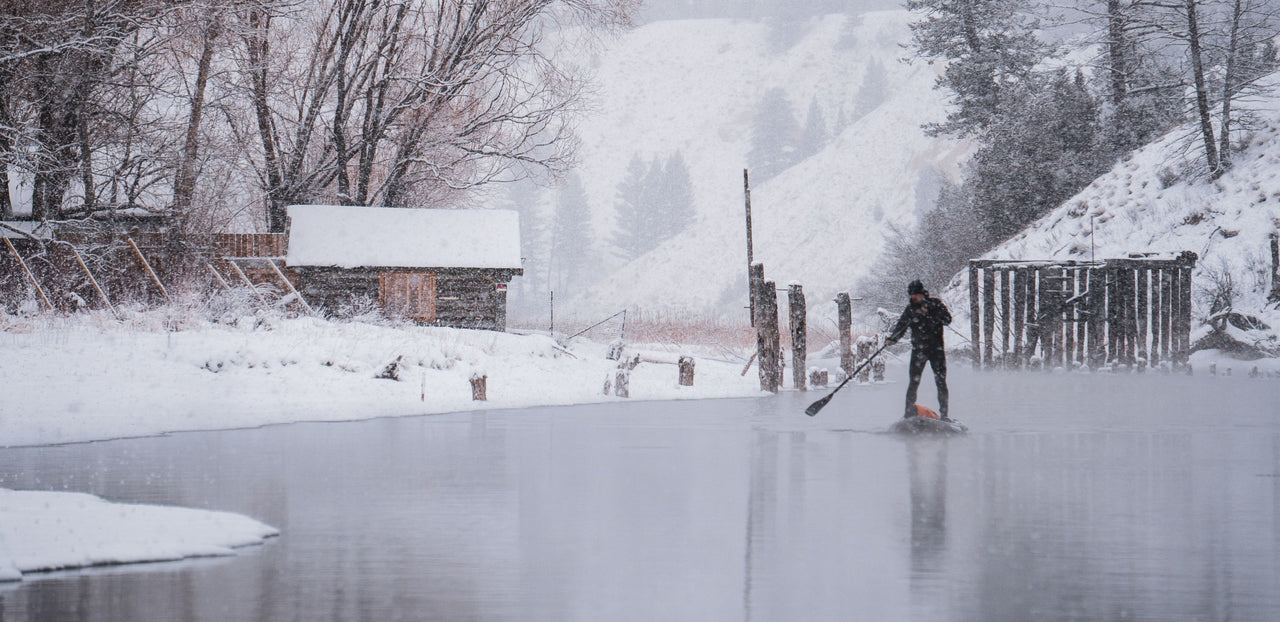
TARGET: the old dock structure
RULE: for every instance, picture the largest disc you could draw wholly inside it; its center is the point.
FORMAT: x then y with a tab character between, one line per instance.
1132	311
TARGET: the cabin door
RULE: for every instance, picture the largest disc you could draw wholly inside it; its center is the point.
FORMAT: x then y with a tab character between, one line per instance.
410	294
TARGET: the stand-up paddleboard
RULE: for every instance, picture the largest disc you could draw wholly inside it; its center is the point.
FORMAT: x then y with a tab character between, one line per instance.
927	422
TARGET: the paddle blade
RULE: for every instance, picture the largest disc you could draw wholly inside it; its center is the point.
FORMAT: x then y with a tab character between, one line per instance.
818	405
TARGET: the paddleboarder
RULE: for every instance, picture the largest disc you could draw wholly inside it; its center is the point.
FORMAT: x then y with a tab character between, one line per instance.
926	317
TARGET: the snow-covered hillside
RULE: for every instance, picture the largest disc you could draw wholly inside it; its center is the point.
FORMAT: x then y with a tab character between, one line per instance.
1158	200
694	86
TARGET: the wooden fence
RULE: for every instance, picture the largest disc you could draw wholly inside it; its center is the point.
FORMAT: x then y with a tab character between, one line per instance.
1131	311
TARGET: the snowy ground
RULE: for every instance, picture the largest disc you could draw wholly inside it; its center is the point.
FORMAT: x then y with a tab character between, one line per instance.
87	377
41	531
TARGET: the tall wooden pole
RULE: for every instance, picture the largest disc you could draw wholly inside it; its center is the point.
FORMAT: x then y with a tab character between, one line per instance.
751	288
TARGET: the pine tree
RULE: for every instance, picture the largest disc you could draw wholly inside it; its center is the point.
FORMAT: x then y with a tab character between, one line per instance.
814	137
633	215
774	137
873	91
990	47
679	211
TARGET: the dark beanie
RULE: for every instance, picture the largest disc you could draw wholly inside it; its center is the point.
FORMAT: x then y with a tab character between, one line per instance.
915	287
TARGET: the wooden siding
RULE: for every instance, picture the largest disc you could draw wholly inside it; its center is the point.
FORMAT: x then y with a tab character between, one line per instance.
411	294
463	298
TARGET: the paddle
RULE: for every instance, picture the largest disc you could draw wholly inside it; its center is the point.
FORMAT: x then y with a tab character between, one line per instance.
822	403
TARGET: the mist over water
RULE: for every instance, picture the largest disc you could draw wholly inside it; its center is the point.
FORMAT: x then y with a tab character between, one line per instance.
1073	497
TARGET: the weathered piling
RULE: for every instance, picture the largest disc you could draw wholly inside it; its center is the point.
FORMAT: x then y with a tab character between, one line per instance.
686	366
796	313
768	338
479	387
844	315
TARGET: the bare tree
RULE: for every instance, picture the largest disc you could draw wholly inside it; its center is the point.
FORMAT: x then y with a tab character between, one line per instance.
396	101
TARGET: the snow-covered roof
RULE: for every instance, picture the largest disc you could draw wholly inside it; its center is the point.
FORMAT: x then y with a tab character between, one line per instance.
355	237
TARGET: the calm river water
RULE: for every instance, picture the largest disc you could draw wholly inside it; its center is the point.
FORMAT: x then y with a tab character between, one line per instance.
1074	497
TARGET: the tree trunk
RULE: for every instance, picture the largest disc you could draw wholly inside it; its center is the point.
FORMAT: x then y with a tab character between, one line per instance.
258	47
1116	52
1202	91
1228	87
6	148
185	182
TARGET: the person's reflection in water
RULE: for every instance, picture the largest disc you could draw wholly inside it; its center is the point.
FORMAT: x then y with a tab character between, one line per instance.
927	466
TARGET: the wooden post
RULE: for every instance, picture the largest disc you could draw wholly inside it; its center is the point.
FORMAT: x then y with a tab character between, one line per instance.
1157	316
1143	275
818	377
1006	281
622	382
799	337
686	364
1019	315
30	276
1094	327
1124	289
768	338
751	287
1275	268
844	317
975	312
1184	321
1069	318
95	282
146	264
1166	314
1079	315
479	387
280	274
988	315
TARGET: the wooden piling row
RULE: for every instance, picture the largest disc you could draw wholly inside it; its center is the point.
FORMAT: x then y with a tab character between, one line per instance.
1129	312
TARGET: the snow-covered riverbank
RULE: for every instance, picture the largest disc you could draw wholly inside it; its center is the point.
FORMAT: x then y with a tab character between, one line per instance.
89	377
42	531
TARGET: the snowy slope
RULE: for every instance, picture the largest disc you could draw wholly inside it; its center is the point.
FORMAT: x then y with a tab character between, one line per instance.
694	86
1157	201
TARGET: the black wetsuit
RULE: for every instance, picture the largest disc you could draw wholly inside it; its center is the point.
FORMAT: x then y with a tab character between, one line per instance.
926	321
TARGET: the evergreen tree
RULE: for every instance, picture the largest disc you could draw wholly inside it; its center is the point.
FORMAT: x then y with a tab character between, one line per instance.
873	91
1044	151
678	200
990	48
571	239
814	137
775	136
633	215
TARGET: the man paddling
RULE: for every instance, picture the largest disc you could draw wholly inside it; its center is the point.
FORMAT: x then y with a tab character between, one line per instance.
927	317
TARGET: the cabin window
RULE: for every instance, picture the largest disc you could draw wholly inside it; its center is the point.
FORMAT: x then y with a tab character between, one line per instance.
410	294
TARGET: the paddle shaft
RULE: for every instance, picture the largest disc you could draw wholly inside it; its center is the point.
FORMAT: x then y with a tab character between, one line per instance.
822	403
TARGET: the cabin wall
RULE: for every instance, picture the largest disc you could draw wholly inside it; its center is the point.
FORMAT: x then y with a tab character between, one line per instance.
464	299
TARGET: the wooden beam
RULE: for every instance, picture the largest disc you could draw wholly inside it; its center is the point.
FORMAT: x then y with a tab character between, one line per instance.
95	282
246	280
30	276
1019	315
146	264
280	274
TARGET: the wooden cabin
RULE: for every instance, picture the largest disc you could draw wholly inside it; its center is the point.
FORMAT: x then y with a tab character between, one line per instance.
438	267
